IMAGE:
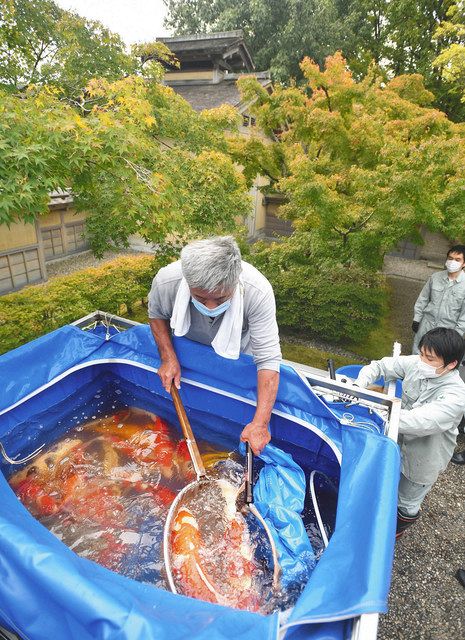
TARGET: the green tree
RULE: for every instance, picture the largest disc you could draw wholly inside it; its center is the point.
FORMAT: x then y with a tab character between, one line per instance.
279	32
321	297
141	161
400	37
40	43
365	29
362	164
195	16
397	35
450	62
79	112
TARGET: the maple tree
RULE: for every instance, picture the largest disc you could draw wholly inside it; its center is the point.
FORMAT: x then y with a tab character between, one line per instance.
135	155
362	164
40	43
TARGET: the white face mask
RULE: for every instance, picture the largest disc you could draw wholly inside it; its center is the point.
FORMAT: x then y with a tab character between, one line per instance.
428	371
453	266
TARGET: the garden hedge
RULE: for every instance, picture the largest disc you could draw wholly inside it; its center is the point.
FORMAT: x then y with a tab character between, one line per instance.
321	298
337	304
36	310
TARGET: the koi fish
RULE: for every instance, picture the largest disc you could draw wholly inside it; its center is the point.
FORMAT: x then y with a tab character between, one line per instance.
186	544
41	486
146	438
211	457
33	495
110	552
127	423
48	464
223	577
94	491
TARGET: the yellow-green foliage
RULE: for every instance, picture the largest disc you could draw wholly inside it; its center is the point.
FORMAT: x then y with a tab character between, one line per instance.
37	310
362	164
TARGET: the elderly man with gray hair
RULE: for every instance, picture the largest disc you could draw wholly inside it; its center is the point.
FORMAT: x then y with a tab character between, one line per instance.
213	297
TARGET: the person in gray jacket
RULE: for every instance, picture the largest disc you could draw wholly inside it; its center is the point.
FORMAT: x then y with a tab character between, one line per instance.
441	302
213	297
433	402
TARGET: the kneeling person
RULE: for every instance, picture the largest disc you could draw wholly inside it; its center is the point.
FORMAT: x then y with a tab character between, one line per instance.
433	402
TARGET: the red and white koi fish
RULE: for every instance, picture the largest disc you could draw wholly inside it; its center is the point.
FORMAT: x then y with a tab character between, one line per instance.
223	577
146	438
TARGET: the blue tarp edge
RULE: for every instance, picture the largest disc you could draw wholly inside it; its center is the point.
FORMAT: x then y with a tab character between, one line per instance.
364	454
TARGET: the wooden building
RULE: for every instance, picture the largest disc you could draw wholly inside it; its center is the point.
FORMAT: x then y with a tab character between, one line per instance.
25	248
210	65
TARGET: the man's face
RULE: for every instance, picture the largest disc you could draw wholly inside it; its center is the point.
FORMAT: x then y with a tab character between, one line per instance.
452	255
435	361
211	299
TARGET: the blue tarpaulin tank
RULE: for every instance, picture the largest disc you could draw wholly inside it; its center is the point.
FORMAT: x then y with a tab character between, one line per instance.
47	591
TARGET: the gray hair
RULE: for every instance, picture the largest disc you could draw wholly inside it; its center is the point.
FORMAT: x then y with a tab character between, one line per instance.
213	264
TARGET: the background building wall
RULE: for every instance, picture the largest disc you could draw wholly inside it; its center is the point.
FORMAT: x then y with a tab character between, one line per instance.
26	248
21	261
17	235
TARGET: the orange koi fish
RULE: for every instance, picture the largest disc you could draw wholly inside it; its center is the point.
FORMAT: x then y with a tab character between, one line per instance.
93	502
37	484
226	578
146	438
48	464
127	423
32	494
186	544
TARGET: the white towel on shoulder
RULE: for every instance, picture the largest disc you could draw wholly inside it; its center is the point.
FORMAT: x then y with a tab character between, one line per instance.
181	316
227	342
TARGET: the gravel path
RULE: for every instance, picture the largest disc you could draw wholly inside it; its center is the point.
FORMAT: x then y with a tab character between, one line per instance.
84	260
403	297
426	601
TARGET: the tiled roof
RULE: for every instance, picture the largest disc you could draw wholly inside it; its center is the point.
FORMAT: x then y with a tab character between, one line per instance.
60	197
208	95
225	45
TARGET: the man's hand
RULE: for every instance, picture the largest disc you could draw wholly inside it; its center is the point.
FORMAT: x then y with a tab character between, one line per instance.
257	435
170	371
415	326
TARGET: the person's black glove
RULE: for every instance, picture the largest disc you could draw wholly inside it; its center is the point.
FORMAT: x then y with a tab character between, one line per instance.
415	326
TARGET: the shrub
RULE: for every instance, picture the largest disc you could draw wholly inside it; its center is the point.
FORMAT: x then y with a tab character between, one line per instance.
335	302
335	305
42	308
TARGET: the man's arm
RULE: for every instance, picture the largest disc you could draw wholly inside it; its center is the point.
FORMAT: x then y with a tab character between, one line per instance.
460	324
432	417
256	432
389	368
169	369
264	342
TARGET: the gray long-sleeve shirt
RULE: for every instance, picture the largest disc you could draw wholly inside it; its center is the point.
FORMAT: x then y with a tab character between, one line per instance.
260	335
441	303
431	411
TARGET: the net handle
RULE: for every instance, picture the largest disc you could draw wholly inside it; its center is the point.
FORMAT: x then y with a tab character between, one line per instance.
188	433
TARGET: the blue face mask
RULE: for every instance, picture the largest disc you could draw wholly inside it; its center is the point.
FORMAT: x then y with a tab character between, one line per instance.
211	313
